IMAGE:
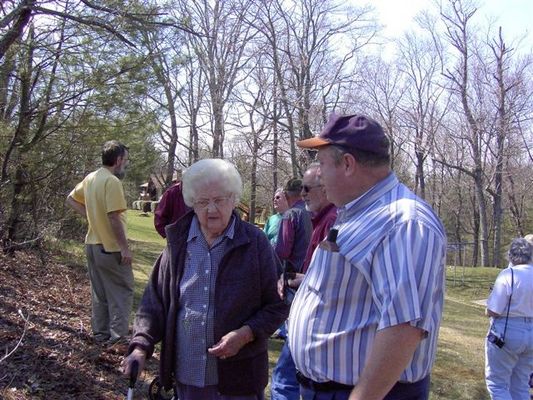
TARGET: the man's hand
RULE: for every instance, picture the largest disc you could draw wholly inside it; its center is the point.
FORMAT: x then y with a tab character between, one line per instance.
232	342
280	287
294	282
127	256
118	230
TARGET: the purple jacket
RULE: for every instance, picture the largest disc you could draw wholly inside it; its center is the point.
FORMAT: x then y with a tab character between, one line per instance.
245	294
294	234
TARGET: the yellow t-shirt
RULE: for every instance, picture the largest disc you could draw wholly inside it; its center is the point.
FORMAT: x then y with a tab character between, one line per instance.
101	192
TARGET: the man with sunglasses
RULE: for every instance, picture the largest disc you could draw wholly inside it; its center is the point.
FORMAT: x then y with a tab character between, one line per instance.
284	383
322	210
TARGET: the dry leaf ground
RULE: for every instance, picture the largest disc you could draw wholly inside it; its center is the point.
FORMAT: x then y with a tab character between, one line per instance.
57	358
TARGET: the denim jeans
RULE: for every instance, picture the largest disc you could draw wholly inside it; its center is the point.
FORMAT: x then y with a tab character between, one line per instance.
507	369
284	385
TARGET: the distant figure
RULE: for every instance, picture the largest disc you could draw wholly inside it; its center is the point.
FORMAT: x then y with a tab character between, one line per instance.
171	207
212	298
509	343
295	228
273	222
100	199
364	322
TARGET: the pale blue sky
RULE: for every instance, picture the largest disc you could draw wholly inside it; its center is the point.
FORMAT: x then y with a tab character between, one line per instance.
515	16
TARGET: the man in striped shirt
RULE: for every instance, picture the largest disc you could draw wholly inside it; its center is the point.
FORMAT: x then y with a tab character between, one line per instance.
364	322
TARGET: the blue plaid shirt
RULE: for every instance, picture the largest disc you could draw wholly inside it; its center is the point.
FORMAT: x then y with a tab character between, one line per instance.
194	365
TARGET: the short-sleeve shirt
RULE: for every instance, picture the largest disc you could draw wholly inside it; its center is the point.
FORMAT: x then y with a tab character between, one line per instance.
389	270
521	285
101	192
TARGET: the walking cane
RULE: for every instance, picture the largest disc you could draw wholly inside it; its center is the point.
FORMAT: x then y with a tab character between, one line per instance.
133	378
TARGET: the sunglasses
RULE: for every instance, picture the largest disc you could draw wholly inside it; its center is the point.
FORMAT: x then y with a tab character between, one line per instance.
307	188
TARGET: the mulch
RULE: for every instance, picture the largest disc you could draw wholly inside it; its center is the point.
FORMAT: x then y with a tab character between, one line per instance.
57	357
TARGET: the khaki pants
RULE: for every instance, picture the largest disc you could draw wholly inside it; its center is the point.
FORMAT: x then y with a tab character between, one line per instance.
111	292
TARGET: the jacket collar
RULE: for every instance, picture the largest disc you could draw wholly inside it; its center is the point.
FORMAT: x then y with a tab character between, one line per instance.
180	231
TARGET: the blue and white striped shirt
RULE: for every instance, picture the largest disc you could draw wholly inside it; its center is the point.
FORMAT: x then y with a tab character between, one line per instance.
389	270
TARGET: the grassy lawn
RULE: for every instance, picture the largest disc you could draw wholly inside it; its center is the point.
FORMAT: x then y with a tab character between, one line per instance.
458	373
459	369
146	246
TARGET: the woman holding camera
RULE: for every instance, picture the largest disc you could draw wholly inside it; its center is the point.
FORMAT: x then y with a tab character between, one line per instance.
509	343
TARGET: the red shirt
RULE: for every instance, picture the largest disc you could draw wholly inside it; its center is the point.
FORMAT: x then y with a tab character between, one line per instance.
322	222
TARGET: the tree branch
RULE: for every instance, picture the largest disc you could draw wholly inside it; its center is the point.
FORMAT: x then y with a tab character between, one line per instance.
26	322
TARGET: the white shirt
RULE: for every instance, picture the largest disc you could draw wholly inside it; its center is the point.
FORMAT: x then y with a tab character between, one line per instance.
522	289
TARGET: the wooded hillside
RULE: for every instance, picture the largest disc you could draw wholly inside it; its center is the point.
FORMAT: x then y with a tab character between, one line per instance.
246	79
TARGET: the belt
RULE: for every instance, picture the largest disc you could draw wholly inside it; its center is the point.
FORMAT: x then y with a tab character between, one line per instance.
327	386
525	319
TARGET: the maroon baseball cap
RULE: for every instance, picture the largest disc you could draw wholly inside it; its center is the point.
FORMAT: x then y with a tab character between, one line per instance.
353	131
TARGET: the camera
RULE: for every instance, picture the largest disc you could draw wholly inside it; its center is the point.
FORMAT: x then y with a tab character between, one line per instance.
288	292
289	273
495	339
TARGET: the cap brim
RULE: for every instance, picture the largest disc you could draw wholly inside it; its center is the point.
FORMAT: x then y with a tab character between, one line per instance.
313	142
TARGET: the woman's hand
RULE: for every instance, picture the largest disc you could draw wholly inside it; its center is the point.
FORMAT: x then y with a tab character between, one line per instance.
490	313
232	342
138	355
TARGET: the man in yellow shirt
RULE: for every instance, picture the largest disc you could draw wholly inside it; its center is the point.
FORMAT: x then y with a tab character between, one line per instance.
100	198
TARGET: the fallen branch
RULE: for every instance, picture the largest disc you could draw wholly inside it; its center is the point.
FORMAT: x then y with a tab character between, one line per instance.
27	321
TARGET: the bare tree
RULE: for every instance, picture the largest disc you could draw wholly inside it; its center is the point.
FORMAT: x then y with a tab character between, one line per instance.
424	102
256	126
192	96
457	20
382	90
310	66
165	65
220	51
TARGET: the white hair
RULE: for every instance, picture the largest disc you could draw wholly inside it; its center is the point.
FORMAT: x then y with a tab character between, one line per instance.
208	171
519	252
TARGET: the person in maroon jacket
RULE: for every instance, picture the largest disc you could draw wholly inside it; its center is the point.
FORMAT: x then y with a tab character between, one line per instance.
170	208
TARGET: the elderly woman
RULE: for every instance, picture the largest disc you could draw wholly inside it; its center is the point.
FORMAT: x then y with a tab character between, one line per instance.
509	344
211	298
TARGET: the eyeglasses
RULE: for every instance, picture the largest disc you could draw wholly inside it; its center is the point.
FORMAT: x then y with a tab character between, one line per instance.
307	188
217	202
